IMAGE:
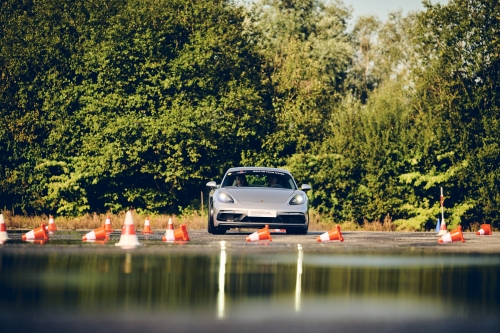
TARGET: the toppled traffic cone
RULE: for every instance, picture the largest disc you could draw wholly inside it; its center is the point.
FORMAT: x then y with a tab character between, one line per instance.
147	227
442	229
179	234
96	234
485	230
107	225
128	239
3	230
37	233
261	234
52	226
454	236
332	235
169	233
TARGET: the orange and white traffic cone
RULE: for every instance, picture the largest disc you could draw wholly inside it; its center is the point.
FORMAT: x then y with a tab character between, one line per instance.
169	233
96	234
107	225
128	239
181	234
442	229
37	233
454	236
332	235
3	230
52	226
485	230
261	234
147	227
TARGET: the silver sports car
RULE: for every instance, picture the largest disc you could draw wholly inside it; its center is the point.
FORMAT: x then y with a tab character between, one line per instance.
251	197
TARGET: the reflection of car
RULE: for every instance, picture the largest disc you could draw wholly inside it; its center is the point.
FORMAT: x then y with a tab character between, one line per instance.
249	197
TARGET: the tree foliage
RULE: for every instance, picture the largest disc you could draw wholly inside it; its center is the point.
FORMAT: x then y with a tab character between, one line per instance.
137	103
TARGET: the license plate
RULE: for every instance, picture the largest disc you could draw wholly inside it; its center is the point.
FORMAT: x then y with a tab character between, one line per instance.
262	213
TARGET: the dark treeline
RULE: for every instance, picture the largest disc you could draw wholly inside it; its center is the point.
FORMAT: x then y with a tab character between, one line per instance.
107	105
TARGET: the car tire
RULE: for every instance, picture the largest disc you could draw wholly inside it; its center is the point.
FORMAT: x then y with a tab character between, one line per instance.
211	228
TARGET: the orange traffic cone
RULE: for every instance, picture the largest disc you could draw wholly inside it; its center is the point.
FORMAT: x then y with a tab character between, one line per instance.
52	226
37	233
485	230
3	230
128	239
169	233
179	234
454	236
442	229
97	234
261	234
147	227
107	225
332	235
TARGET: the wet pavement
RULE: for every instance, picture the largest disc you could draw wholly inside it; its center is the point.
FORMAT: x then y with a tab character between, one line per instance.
373	281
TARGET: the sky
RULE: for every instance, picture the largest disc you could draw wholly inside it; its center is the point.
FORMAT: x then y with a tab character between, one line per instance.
381	8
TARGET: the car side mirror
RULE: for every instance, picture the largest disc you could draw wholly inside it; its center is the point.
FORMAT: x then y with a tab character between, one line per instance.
212	184
305	187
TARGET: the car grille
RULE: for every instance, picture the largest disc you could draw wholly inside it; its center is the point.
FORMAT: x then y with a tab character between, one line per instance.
285	218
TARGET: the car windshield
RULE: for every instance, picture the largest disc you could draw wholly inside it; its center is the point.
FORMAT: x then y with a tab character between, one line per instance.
259	178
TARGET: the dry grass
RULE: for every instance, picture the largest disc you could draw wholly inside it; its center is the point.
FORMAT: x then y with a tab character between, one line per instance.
193	220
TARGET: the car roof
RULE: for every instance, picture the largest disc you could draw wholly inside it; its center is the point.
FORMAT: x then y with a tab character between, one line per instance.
258	168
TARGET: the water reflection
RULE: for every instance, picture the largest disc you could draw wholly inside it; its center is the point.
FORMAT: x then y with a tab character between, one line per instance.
298	282
242	284
127	266
222	275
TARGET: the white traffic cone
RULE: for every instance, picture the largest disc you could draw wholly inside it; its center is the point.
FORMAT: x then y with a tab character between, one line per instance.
3	230
128	239
169	233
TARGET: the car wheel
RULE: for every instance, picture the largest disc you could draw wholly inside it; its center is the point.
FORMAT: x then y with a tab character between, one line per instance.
211	228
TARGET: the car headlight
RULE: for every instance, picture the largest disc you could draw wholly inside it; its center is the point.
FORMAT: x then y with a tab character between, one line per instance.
297	199
224	197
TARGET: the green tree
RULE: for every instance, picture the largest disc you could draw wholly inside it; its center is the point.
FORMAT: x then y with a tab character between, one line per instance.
457	86
306	51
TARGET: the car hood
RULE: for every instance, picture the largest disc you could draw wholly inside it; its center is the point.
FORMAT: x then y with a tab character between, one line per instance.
261	195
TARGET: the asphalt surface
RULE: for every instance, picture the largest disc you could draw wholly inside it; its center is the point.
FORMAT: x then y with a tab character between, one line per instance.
234	240
362	241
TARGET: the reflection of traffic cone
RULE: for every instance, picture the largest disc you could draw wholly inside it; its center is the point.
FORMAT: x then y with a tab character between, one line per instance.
96	234
454	236
280	230
52	226
438	226
37	233
442	229
485	230
169	234
3	230
128	239
332	235
147	227
261	234
37	241
107	225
